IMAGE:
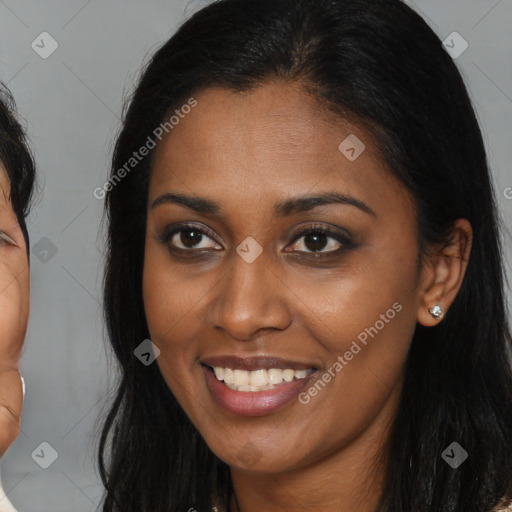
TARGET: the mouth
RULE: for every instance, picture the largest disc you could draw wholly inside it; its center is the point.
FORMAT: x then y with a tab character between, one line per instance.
257	380
255	386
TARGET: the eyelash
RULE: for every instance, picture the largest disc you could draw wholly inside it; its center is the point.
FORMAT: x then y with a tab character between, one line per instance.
345	240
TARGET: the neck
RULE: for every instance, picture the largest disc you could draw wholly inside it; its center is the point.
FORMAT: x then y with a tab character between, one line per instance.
350	479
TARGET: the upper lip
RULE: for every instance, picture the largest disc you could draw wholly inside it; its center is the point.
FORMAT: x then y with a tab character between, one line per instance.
254	363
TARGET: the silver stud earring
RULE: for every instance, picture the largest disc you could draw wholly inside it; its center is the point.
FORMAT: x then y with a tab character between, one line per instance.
436	312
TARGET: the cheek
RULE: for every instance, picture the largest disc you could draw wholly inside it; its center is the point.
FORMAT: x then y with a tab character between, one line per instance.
364	319
339	306
169	298
364	322
171	305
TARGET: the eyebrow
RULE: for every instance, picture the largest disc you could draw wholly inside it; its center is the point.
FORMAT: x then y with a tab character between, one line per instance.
282	209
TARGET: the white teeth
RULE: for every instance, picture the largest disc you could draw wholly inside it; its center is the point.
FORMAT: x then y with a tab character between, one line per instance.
228	376
300	374
258	380
275	376
246	387
241	377
288	375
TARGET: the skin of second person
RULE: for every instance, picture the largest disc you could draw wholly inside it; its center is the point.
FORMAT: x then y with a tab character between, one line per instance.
14	312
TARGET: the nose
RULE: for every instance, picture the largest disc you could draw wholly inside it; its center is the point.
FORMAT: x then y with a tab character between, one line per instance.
251	299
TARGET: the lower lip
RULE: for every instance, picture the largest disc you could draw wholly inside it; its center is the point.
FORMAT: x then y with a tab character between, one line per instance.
254	403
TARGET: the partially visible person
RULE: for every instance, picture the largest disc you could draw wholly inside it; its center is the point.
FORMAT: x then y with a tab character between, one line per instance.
17	176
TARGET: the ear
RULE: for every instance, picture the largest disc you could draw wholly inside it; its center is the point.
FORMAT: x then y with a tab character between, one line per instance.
443	272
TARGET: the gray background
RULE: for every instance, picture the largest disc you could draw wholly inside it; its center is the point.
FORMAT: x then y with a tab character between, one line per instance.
72	103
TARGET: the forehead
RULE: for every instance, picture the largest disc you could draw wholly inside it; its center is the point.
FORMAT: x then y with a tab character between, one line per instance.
271	142
276	118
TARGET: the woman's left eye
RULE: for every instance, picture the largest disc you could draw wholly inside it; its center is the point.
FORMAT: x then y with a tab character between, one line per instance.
319	239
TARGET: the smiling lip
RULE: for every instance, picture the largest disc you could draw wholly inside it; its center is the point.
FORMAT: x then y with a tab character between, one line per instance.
254	403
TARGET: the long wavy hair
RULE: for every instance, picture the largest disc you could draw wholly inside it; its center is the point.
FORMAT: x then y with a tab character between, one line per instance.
378	62
17	159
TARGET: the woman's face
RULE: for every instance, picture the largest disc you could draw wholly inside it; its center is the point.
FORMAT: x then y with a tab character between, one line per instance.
14	311
240	288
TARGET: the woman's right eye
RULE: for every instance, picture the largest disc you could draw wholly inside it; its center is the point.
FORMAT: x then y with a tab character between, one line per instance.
189	238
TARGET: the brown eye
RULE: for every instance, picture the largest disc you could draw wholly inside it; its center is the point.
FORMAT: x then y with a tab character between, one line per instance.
319	239
316	241
189	238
